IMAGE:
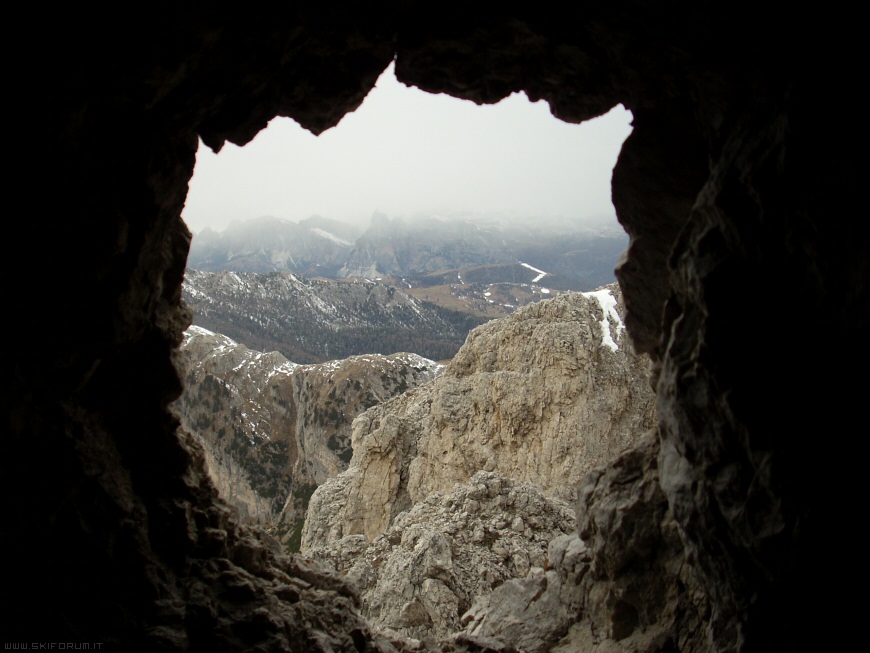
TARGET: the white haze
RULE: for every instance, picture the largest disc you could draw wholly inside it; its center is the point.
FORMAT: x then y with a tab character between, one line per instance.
405	152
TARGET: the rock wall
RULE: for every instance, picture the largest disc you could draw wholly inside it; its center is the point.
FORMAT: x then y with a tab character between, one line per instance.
479	468
741	190
544	396
421	575
620	583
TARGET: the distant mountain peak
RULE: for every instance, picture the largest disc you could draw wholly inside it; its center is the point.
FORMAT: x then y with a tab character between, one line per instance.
580	256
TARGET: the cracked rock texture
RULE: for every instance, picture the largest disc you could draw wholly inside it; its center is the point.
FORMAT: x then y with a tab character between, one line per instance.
620	583
543	396
420	575
476	466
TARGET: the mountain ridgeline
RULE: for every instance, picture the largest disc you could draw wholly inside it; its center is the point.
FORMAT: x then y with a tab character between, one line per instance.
314	320
313	247
273	430
575	256
431	488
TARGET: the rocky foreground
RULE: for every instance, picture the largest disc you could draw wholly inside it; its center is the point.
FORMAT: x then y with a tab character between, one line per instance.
468	482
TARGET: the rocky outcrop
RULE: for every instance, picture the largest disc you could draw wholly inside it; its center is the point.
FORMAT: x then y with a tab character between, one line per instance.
479	464
543	396
618	584
425	570
420	575
272	430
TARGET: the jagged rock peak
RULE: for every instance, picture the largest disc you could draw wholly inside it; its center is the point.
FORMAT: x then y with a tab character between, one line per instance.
544	396
534	400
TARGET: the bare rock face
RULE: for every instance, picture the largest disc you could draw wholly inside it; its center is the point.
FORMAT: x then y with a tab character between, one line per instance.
618	584
478	465
542	396
423	572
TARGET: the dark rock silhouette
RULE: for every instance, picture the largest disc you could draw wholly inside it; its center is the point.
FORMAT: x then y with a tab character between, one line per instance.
745	279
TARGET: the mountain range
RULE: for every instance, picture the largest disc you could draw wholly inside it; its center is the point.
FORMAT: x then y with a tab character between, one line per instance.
315	320
575	256
476	456
273	430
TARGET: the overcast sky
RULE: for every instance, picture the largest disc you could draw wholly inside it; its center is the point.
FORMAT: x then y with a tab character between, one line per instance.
405	152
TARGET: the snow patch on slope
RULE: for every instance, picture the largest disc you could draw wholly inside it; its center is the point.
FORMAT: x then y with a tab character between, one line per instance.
608	306
541	273
325	234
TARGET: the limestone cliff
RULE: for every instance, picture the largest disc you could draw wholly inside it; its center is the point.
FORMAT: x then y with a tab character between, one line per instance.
533	401
543	396
619	584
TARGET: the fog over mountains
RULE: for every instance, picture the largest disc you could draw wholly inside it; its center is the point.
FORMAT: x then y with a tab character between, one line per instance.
575	256
322	289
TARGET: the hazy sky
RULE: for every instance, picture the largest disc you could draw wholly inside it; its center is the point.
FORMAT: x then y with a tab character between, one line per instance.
405	152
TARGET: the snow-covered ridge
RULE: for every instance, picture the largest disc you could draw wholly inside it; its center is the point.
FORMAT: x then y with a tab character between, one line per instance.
397	359
194	330
303	315
271	363
222	343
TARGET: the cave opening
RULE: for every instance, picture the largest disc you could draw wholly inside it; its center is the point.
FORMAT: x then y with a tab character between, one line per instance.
581	157
534	188
407	153
735	126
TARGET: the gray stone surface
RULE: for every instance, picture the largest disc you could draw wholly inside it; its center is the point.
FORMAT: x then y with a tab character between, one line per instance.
419	576
618	584
543	396
460	485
